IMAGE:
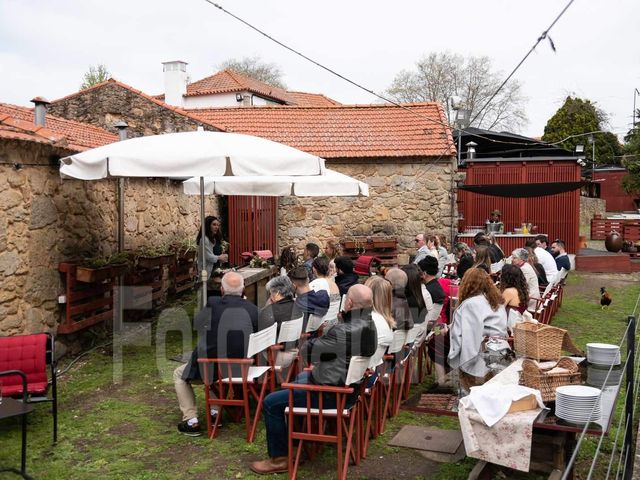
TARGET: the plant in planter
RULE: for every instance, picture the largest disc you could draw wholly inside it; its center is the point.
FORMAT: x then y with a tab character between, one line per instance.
187	249
96	269
150	257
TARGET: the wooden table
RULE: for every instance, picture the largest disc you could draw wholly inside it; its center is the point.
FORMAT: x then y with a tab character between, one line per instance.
10	407
546	423
255	280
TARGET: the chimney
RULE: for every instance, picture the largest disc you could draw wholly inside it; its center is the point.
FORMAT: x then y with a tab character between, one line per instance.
175	82
122	129
40	111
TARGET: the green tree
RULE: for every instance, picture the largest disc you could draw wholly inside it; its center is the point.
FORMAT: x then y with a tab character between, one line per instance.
438	77
254	67
95	75
631	160
576	118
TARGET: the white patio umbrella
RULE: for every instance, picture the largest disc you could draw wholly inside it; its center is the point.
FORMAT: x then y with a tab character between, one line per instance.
191	154
329	184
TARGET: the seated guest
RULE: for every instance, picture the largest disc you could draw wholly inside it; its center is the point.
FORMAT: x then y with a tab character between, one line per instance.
520	258
443	255
421	244
483	259
429	270
308	301
514	290
382	315
539	269
418	303
235	319
324	282
332	250
280	306
480	314
561	257
399	304
330	356
465	263
288	259
546	260
542	241
345	277
311	251
460	249
495	253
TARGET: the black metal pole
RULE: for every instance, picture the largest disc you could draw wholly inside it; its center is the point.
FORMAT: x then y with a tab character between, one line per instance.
628	408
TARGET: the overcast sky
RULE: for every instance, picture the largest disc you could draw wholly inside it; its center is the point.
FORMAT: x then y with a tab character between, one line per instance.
46	46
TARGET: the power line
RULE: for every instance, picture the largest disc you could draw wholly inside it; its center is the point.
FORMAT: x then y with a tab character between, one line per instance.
540	38
451	144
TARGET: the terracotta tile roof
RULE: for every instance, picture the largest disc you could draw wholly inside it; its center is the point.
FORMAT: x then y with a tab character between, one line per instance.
227	81
157	99
17	123
348	131
304	99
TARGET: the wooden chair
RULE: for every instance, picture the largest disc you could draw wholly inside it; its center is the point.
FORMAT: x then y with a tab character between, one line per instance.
31	354
373	399
391	376
313	428
242	377
282	359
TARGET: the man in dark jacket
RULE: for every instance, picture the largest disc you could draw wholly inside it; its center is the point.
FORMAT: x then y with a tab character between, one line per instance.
330	356
224	327
345	277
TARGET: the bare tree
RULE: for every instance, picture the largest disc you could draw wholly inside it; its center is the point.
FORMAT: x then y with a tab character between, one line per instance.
96	74
440	76
254	67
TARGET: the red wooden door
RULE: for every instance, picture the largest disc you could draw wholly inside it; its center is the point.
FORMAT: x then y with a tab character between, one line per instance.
252	225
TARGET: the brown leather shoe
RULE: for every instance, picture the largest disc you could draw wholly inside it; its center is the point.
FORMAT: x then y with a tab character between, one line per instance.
271	465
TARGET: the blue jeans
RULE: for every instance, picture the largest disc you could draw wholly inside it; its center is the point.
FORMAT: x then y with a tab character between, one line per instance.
274	418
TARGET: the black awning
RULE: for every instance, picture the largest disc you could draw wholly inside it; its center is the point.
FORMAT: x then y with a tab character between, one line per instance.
520	190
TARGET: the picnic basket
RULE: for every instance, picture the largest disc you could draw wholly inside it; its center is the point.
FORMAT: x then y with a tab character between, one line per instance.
541	342
533	376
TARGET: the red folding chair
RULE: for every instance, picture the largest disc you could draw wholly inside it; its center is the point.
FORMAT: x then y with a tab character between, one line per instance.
373	399
392	378
31	354
235	388
347	419
282	359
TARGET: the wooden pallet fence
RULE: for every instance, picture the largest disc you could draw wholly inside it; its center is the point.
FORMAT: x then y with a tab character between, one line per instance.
601	227
88	301
385	248
182	272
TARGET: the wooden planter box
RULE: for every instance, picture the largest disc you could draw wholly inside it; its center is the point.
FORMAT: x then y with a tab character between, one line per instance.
151	262
87	303
94	275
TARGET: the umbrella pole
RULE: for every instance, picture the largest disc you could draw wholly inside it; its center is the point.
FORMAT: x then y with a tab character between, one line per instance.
203	272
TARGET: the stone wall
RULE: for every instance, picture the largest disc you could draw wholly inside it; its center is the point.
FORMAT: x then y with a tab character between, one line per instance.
45	220
589	207
406	198
110	103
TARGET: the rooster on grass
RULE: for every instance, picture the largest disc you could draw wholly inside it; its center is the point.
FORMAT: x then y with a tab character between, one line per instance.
605	298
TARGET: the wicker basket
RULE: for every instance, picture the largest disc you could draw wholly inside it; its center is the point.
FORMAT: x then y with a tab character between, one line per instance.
533	376
541	342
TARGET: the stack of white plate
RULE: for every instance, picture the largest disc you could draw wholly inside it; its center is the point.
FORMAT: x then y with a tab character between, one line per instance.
603	354
596	376
578	403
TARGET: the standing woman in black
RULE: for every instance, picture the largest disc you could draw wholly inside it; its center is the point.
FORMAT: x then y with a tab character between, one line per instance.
214	252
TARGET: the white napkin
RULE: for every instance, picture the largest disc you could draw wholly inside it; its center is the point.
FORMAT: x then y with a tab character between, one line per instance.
493	401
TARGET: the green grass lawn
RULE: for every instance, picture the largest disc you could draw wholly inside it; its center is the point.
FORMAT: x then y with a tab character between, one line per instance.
127	430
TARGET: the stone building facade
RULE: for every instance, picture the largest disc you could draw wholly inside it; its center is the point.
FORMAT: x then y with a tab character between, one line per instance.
45	220
405	198
112	101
